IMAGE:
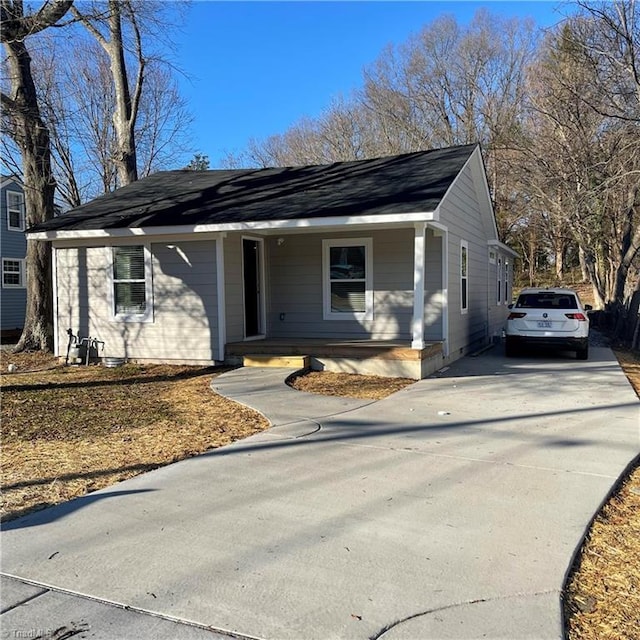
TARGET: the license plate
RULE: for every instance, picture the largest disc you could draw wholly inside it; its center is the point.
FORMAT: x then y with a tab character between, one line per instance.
544	324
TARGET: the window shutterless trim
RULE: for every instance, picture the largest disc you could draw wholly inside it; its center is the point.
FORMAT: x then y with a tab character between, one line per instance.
12	209
464	276
327	245
20	271
147	315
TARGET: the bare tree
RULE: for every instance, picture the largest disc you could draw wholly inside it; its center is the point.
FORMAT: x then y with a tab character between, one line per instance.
107	29
21	109
78	105
584	152
444	86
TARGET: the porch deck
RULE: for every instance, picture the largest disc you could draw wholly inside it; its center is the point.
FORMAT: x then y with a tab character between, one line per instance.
331	348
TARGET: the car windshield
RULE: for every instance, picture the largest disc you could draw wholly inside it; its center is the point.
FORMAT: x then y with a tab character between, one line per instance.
545	300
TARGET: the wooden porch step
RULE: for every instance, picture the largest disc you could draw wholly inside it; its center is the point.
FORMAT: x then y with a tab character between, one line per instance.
289	362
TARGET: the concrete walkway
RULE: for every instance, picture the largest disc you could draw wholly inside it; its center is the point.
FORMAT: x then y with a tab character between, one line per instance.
451	509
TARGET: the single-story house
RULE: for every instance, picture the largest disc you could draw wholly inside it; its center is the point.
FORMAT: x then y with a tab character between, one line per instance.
391	265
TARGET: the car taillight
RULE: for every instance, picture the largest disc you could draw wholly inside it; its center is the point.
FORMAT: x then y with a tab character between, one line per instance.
514	316
576	316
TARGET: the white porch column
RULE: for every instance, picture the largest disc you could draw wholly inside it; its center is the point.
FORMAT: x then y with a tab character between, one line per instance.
440	231
417	324
220	286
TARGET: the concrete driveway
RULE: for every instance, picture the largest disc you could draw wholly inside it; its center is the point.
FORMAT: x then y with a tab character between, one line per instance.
450	510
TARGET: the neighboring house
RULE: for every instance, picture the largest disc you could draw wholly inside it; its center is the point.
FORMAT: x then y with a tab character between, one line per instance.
391	265
13	250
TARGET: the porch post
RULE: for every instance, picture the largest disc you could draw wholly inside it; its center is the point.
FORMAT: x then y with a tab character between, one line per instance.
220	286
440	231
417	324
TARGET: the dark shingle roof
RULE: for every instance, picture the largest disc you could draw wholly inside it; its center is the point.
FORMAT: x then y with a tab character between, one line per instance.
406	183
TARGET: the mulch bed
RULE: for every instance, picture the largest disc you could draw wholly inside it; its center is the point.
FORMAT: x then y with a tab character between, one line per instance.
348	385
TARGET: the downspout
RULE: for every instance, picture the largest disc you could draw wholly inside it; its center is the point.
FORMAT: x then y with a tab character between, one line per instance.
220	285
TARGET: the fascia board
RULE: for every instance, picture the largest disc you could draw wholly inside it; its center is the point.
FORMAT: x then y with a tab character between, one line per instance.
481	175
504	248
272	225
7	181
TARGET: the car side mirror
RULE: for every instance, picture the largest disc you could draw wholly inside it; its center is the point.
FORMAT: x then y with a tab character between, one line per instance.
588	307
510	306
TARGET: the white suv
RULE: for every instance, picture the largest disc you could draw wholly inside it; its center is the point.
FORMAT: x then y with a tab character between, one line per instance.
548	317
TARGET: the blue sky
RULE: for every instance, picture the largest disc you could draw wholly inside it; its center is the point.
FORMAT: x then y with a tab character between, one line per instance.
254	68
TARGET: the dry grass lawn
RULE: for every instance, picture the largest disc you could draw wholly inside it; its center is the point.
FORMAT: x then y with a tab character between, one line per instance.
67	431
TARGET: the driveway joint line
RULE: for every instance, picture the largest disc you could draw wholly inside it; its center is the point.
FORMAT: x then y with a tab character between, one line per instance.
125	607
24	601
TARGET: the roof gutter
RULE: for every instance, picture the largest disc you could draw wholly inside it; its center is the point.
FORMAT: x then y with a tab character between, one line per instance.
504	248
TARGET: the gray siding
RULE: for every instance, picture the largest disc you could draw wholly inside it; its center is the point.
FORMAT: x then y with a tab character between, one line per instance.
295	287
184	325
434	299
498	311
234	307
13	244
461	212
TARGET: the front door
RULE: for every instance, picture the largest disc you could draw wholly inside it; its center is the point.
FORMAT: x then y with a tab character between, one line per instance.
251	260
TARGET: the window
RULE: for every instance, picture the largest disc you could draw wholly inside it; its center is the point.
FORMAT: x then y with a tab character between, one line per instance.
464	276
499	283
13	273
506	282
544	300
15	211
492	257
131	268
347	290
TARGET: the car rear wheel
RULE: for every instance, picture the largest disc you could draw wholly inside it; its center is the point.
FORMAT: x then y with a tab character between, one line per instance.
510	349
583	352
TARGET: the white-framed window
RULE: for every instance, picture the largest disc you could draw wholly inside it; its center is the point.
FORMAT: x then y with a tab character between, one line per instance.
492	256
464	276
131	289
15	211
507	295
499	282
13	273
347	267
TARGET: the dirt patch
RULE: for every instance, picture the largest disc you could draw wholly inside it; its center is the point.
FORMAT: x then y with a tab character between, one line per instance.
348	385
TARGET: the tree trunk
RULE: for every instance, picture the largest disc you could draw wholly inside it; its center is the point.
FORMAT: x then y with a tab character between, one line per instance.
123	117
39	184
584	272
630	246
560	253
32	137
